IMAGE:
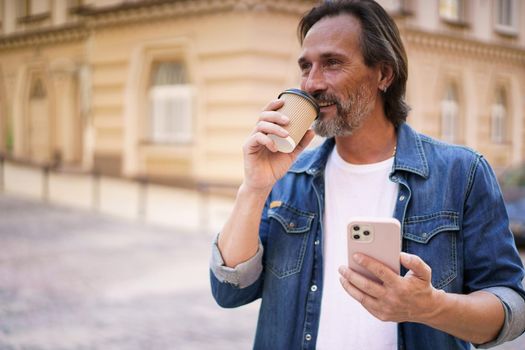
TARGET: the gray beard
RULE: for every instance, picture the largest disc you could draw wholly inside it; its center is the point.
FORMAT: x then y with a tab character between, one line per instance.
350	114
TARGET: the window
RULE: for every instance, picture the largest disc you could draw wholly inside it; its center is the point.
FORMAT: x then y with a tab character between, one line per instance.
22	8
398	7
39	7
450	115
452	10
26	8
499	118
74	3
171	99
506	15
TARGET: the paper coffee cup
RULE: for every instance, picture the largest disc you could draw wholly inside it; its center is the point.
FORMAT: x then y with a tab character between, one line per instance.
302	110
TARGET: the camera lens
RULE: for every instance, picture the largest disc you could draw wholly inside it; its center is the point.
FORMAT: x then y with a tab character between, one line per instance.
356	228
366	232
357	236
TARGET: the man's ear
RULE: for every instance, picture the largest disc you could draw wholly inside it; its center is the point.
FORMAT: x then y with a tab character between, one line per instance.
386	76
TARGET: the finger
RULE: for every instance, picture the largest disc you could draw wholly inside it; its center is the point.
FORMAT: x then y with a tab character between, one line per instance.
274	105
274	117
418	267
270	128
362	298
362	283
257	140
377	268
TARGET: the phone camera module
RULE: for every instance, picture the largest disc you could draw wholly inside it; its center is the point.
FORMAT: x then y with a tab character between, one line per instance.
366	232
357	236
356	228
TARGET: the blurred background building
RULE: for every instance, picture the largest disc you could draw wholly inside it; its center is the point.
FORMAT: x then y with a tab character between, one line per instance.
139	108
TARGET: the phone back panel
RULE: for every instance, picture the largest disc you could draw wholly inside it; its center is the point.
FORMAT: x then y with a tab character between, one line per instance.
379	238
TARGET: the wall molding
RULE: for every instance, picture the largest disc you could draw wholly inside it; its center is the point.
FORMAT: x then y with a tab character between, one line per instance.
49	36
467	47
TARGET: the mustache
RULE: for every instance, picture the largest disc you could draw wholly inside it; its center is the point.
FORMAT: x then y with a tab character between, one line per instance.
324	97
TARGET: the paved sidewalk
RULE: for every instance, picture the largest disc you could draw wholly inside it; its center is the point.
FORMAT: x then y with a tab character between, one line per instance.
78	280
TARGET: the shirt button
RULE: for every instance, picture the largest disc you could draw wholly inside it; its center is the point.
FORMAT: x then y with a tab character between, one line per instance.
308	337
313	288
394	178
316	242
402	198
291	225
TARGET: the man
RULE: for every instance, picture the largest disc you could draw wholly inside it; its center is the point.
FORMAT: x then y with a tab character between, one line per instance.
285	240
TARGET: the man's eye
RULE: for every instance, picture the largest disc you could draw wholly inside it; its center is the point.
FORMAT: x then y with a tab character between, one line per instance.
305	68
330	63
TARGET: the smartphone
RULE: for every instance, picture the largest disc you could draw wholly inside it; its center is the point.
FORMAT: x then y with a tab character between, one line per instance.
379	238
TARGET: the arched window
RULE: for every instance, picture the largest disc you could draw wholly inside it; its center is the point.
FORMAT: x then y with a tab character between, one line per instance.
170	96
499	118
450	115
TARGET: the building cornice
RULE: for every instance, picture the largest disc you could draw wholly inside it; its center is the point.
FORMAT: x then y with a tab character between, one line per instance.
48	36
159	9
146	11
494	52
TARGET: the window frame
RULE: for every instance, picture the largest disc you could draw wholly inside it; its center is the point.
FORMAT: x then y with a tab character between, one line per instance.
183	91
25	14
500	117
460	19
505	29
450	118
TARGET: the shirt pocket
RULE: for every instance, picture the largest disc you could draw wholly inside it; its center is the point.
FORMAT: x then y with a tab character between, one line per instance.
433	238
287	240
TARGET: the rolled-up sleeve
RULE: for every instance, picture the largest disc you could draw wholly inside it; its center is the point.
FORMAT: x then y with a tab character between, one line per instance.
491	261
240	276
514	307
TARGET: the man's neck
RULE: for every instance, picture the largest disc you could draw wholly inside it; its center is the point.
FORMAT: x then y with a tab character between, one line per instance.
373	142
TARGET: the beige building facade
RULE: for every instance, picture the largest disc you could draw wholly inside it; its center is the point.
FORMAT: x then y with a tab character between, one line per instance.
163	90
166	92
467	74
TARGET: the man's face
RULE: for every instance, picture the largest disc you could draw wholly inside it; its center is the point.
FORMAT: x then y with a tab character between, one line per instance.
334	72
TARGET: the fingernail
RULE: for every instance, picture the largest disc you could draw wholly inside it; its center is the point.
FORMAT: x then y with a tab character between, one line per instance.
358	258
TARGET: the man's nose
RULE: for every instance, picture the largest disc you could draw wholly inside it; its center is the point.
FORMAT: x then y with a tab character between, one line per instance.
314	82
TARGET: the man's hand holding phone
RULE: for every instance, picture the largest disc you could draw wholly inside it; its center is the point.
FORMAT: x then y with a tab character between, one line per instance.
410	298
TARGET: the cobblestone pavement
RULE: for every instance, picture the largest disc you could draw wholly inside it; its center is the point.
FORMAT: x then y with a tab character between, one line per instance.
78	280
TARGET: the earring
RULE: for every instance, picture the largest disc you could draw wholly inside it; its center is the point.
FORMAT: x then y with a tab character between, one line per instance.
384	89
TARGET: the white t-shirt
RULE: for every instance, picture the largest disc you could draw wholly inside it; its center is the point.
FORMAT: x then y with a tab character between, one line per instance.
351	190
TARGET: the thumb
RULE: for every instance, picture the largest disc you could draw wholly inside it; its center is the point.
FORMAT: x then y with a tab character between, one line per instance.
416	265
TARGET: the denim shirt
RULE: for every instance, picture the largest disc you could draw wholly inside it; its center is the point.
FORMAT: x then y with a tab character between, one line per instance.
452	216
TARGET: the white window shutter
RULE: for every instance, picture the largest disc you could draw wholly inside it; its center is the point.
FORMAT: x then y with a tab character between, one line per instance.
449	120
498	123
171	110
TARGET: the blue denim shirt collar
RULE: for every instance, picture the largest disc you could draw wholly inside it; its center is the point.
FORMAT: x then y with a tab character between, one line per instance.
409	157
